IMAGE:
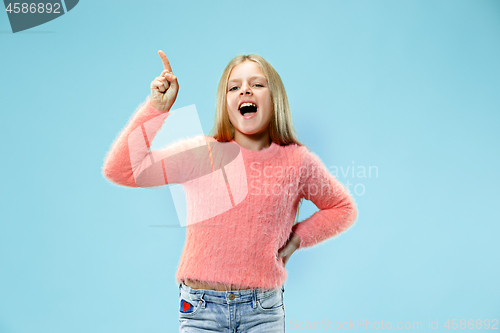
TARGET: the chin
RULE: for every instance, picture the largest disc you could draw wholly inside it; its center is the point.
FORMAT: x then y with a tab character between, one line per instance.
250	131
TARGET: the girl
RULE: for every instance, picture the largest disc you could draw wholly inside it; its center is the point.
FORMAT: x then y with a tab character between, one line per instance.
232	272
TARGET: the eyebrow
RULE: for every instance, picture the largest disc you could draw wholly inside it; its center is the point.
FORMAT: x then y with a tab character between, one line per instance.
252	77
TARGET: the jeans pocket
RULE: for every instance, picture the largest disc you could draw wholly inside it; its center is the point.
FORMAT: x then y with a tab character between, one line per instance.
189	304
271	302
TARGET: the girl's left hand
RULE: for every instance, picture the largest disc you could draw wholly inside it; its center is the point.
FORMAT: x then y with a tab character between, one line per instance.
291	245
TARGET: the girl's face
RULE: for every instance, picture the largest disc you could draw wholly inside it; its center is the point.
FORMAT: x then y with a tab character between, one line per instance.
248	99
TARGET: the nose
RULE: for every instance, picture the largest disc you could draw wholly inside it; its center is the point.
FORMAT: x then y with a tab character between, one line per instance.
245	90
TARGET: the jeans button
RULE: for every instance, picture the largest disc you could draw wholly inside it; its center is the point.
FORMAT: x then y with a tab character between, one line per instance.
231	296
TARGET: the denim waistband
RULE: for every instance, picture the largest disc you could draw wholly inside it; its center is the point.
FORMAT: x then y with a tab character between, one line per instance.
230	296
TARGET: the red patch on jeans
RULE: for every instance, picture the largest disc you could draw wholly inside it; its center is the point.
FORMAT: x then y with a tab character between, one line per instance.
186	306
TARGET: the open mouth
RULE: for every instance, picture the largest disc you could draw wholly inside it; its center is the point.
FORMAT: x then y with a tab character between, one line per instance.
247	108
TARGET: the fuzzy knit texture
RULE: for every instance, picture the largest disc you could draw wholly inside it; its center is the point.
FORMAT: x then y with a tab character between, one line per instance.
238	246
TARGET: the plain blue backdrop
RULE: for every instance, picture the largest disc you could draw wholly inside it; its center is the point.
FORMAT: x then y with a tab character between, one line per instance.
410	88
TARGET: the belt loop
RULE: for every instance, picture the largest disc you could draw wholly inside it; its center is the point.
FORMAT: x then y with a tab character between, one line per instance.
254	298
202	300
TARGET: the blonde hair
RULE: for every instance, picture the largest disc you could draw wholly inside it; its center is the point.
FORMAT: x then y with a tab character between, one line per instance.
280	128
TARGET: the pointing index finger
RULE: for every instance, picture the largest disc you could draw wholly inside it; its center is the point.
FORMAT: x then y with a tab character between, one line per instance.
164	59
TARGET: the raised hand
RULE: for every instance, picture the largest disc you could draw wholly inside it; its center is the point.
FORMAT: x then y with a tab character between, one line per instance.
164	88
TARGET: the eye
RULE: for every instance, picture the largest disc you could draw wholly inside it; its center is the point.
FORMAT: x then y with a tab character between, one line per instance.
258	84
232	88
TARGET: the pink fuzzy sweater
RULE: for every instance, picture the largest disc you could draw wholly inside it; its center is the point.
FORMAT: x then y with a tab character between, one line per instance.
237	244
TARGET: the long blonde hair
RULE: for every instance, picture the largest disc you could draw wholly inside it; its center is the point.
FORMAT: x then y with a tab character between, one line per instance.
281	128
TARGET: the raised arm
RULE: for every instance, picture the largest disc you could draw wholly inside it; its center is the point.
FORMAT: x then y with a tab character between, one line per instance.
130	161
337	208
129	153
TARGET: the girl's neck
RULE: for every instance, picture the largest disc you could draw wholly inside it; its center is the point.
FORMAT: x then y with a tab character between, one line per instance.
255	142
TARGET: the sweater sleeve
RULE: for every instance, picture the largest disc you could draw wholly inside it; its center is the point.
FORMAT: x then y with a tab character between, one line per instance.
131	163
337	210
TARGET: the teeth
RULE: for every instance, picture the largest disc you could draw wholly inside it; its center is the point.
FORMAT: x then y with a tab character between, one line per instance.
247	104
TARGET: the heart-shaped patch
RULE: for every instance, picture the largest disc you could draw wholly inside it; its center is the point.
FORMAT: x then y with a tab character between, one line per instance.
186	306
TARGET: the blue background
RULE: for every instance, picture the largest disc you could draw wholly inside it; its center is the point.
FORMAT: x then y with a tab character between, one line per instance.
408	87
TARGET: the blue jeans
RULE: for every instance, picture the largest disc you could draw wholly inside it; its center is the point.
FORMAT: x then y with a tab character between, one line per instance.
249	310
